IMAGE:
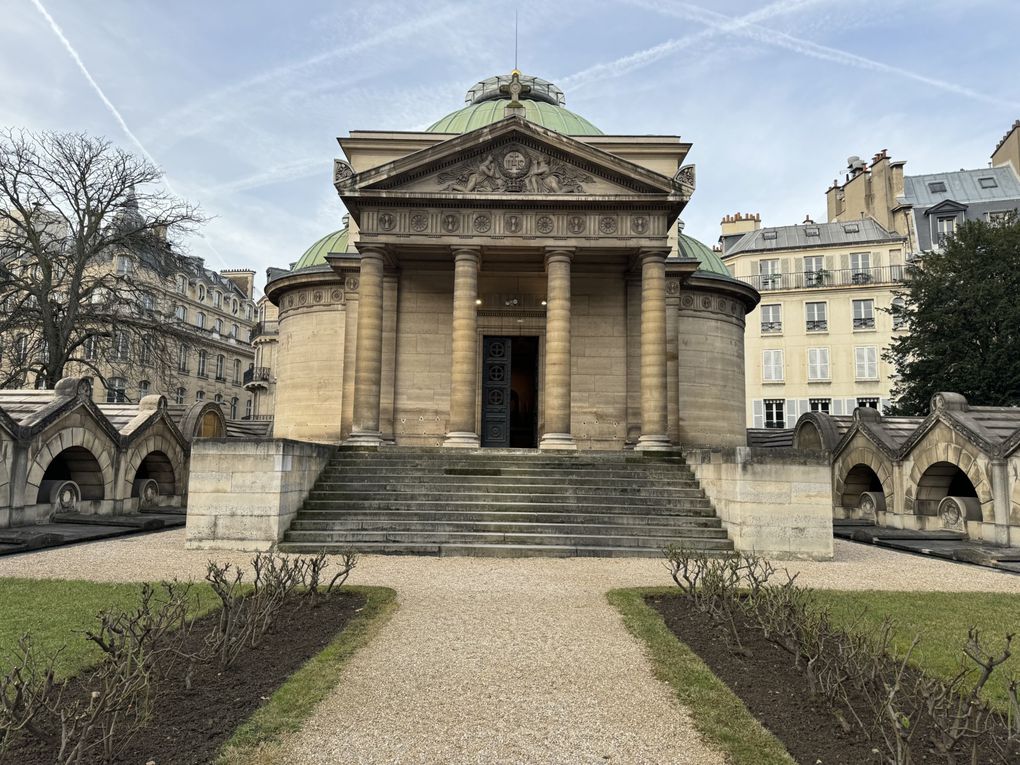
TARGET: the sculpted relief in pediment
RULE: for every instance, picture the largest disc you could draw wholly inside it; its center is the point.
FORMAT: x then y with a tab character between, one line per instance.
514	169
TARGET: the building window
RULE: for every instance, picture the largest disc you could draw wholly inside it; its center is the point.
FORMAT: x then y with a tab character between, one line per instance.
234	307
148	302
771	319
866	362
201	293
120	348
21	349
181	313
216	299
116	391
181	396
775	413
867	401
218	398
937	187
233	331
851	228
821	405
899	321
988	183
945	226
247	312
200	395
145	352
814	271
219	368
182	284
233	408
91	348
1000	216
201	364
182	358
200	320
864	314
818	364
860	267
143	389
772	366
218	327
816	317
769	275
123	265
237	371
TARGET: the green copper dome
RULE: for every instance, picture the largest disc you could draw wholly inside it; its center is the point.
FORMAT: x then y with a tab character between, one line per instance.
331	244
543	102
710	260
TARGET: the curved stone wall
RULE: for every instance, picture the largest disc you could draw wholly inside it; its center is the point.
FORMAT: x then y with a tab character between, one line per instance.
309	361
710	368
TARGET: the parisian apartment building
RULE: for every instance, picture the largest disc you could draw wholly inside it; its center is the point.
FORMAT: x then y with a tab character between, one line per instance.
817	340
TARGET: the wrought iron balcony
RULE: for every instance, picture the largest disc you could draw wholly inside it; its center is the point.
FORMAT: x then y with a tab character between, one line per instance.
771	327
264	328
257	377
847	277
865	323
817	325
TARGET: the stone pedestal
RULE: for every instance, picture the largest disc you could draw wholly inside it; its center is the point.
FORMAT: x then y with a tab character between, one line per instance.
556	389
368	357
654	425
463	430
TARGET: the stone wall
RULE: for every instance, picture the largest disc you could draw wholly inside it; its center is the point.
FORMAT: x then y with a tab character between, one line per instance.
777	502
244	494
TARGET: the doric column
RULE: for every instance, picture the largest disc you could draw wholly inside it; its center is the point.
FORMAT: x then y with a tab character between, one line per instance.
654	426
464	357
556	389
368	357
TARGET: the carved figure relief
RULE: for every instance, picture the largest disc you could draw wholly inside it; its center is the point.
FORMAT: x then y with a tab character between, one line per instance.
342	172
387	221
576	224
512	224
516	169
351	283
639	224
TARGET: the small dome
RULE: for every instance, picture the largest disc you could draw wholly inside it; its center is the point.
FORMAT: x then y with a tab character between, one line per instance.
543	102
331	244
710	261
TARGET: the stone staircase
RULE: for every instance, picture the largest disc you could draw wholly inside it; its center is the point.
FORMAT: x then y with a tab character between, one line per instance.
505	503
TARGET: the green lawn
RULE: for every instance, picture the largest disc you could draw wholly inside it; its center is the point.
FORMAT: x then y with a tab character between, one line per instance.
56	611
942	620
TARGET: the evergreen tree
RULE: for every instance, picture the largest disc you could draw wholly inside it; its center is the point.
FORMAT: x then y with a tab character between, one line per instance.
960	314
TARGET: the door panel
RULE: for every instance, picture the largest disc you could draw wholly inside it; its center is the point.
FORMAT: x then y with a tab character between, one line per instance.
496	360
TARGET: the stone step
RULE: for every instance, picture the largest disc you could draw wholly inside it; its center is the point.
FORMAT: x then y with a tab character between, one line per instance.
617	519
342	525
337	493
482	550
353	538
503	455
492	505
147	523
368	473
475	483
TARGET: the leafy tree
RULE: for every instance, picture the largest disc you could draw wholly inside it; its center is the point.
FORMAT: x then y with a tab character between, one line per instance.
960	314
86	252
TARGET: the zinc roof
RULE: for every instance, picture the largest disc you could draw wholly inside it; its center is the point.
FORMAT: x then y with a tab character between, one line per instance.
837	233
961	186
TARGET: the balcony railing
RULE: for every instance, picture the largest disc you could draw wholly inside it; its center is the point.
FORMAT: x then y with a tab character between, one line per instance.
865	323
771	327
257	374
817	325
265	328
846	277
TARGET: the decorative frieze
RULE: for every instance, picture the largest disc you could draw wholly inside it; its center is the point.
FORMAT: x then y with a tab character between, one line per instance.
703	302
317	296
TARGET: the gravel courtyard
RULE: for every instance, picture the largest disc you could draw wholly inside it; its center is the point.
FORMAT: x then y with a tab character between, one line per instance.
500	660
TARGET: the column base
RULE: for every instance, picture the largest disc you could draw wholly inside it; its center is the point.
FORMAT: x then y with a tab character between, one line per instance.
364	438
461	439
557	441
653	443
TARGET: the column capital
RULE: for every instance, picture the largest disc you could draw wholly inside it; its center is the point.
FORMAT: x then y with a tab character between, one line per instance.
466	252
652	253
371	250
553	254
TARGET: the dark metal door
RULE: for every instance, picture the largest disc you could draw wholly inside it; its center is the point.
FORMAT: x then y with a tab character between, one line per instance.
496	391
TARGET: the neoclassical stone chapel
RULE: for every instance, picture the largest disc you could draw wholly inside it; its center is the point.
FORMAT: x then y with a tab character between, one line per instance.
511	277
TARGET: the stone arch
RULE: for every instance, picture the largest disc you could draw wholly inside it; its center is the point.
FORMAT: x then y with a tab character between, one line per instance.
98	448
949	460
78	464
941	480
203	419
859	469
158	457
6	455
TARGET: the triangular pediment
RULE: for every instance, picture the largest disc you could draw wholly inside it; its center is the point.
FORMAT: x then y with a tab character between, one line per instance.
512	157
946	206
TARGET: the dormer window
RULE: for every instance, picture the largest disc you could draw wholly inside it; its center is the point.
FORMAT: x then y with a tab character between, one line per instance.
812	231
988	183
851	228
769	235
937	187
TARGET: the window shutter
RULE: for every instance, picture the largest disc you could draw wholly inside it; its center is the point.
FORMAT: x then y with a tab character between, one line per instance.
758	415
844	261
837	406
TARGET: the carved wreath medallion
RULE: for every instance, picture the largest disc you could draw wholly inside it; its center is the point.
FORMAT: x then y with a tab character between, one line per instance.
607	224
482	223
351	283
419	221
544	224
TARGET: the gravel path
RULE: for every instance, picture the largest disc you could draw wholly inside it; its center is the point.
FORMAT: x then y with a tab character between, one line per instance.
501	661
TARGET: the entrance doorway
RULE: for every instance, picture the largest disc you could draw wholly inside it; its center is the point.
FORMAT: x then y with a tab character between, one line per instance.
510	392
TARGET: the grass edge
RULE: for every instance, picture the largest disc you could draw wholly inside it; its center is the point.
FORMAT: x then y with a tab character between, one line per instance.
719	716
258	738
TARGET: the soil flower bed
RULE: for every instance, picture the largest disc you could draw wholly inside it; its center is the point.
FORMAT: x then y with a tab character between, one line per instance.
189	727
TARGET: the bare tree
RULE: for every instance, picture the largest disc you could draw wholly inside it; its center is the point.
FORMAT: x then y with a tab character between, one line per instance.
88	255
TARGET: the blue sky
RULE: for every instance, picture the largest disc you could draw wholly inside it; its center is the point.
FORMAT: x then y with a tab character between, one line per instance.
241	102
